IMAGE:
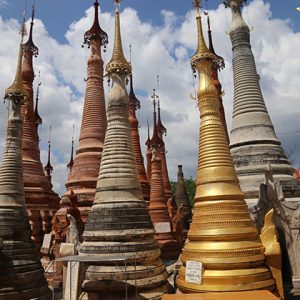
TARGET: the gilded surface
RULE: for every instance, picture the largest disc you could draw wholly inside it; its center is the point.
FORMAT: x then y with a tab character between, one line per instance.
222	235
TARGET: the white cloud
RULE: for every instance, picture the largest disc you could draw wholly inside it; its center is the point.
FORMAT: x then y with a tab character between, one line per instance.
163	50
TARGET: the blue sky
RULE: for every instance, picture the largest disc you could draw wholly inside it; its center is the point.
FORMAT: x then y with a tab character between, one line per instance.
57	15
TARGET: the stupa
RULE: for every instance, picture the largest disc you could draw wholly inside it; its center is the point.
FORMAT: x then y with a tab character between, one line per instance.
215	77
182	198
83	175
21	276
158	207
148	154
41	201
119	228
134	104
222	235
253	141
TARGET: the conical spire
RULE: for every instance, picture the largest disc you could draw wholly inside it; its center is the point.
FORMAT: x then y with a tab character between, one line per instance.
37	118
148	153
253	140
29	46
71	162
119	221
118	63
222	235
215	77
155	140
93	124
17	89
48	168
40	199
22	276
182	198
95	32
134	104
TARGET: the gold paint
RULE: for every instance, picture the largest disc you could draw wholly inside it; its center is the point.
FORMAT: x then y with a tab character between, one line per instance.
272	250
118	63
17	89
222	234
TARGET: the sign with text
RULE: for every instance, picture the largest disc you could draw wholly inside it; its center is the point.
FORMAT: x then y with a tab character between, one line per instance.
163	227
193	272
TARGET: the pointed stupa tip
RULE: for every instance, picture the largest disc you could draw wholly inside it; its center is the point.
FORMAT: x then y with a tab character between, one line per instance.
221	63
132	97
148	142
29	46
118	63
202	51
155	140
96	32
17	91
37	118
49	168
162	130
71	162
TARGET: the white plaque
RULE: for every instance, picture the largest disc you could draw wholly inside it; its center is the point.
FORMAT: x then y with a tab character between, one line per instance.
163	227
46	243
72	281
193	272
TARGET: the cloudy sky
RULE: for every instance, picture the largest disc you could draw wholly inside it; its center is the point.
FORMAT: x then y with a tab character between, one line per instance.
163	38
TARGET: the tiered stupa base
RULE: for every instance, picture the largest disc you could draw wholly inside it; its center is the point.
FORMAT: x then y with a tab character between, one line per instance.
122	231
21	276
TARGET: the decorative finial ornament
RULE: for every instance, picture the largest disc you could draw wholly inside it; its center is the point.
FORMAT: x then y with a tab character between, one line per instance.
96	32
48	168
29	45
222	236
17	91
118	63
71	162
37	118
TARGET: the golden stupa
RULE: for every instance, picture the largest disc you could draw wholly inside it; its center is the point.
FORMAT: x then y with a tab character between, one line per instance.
222	235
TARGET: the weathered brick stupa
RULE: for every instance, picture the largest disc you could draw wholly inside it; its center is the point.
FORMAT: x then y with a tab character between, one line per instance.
222	235
182	198
215	77
119	225
134	104
253	141
83	175
21	275
41	201
161	131
158	207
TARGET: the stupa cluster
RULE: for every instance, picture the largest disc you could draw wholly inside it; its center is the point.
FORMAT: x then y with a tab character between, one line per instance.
119	228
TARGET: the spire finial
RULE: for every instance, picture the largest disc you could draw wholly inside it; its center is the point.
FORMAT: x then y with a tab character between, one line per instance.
130	53
161	129
118	63
37	119
156	140
71	162
48	168
202	51
95	32
29	46
17	91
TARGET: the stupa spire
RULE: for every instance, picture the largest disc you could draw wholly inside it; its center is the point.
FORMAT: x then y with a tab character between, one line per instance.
93	125
71	162
119	221
148	153
134	104
215	76
118	63
19	258
41	201
222	235
160	127
253	141
37	118
49	168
